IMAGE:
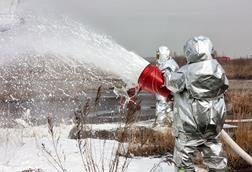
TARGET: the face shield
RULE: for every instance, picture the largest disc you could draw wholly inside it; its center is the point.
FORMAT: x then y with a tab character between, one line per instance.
157	55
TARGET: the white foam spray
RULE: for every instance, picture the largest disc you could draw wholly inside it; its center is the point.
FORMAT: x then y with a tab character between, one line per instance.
72	42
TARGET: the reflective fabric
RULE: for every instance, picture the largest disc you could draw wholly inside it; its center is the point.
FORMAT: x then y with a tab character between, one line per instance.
199	106
163	53
198	49
167	63
207	155
206	79
164	109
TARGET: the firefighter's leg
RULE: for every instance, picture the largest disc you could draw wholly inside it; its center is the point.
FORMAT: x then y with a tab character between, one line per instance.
182	157
214	156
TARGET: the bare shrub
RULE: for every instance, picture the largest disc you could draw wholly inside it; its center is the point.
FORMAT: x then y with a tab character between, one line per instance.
129	117
54	157
85	145
139	141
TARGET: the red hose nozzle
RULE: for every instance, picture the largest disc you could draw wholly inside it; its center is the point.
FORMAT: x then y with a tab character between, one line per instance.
152	81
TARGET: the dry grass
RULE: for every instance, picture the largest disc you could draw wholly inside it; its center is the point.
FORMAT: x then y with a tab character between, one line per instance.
241	109
238	68
147	142
235	68
243	137
240	101
142	141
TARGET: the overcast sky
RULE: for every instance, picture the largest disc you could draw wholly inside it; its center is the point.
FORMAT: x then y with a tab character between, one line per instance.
143	25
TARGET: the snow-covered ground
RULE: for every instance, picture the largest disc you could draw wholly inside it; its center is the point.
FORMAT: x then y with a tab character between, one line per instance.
21	149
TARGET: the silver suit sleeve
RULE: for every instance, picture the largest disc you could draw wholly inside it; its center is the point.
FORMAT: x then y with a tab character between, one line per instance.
174	81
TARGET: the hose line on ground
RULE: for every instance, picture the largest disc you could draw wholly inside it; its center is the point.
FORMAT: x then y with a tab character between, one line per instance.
236	148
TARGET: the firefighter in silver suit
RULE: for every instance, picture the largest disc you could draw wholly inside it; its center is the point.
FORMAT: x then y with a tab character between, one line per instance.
199	108
164	111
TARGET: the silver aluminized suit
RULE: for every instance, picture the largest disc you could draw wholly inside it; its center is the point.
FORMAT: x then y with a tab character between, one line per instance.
199	108
164	109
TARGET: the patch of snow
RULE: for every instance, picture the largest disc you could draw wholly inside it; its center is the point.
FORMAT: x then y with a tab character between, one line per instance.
21	149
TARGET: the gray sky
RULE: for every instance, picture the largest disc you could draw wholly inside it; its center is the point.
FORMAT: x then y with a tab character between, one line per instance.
143	25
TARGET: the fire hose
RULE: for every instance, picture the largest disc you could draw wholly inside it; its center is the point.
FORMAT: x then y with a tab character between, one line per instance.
152	80
235	147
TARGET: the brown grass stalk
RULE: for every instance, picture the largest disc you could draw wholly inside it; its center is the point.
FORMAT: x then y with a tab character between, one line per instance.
54	160
241	108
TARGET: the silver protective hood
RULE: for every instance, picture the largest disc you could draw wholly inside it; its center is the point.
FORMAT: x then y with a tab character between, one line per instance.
199	106
198	49
163	54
